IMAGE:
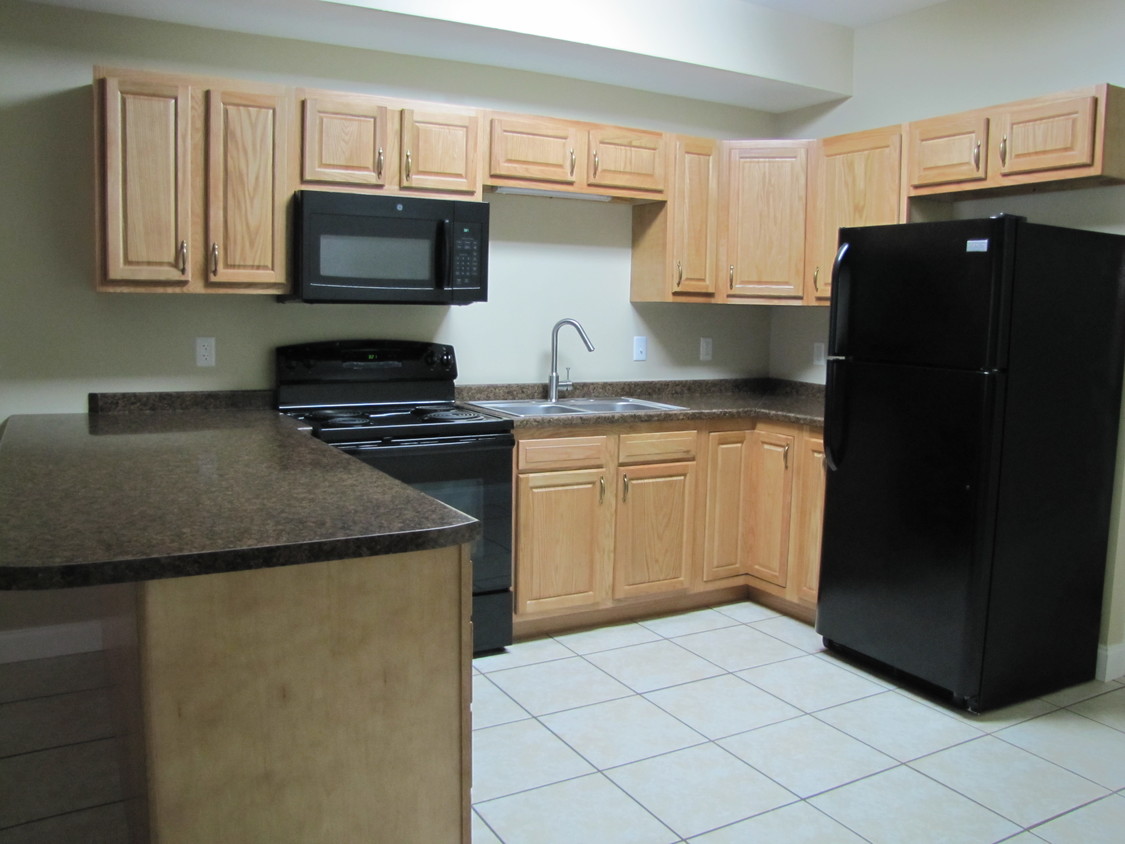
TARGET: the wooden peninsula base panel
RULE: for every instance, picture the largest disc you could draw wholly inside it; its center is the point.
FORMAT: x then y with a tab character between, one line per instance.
323	702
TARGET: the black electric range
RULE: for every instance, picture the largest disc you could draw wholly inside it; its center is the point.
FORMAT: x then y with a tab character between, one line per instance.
390	403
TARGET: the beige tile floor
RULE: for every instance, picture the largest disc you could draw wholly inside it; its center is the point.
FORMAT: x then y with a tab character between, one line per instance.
722	725
732	724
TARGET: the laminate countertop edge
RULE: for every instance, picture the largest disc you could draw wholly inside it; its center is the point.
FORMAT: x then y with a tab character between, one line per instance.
112	498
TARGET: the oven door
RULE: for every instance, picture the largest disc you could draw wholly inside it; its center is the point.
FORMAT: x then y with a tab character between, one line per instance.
473	475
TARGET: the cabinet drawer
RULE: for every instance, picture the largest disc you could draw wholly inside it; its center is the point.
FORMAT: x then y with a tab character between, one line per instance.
656	447
563	453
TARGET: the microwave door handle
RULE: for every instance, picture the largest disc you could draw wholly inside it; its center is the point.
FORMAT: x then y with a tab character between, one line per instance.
446	277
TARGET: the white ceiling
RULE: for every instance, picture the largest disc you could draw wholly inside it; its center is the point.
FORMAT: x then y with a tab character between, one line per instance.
779	54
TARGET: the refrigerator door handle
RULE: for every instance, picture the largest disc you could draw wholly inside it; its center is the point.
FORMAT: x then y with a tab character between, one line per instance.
835	415
838	307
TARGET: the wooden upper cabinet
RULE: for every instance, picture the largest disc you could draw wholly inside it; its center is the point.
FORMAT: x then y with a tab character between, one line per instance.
535	149
147	173
856	182
675	243
1046	136
763	240
193	184
549	154
246	193
626	158
1067	139
440	150
948	149
345	140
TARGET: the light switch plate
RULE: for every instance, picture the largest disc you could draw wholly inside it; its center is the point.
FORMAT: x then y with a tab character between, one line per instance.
204	351
705	348
640	348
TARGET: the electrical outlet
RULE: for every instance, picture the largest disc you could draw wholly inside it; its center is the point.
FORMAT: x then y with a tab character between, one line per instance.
818	358
204	351
705	348
640	348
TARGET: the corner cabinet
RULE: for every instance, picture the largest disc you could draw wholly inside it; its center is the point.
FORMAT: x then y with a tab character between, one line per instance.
192	185
855	181
763	509
675	242
1066	139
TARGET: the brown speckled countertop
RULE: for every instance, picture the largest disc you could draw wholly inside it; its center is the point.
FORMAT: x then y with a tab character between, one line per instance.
763	398
118	497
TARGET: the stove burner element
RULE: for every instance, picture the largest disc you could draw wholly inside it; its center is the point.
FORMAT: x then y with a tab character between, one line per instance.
451	414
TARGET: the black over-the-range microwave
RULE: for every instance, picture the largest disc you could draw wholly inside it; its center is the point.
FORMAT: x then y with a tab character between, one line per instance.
362	248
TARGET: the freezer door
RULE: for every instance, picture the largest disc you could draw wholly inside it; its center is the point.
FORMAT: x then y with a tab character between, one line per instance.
907	534
932	294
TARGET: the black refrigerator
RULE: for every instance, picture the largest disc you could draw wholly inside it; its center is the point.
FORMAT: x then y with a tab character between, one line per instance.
971	419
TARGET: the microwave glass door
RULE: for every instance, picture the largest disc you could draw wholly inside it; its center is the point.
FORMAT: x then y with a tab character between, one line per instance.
402	255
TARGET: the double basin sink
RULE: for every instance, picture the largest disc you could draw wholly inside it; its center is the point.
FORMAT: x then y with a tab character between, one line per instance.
542	407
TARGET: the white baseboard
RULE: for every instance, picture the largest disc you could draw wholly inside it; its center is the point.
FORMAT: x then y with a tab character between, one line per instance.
45	642
1111	661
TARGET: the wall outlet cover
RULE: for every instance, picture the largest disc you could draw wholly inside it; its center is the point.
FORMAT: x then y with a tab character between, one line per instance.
640	348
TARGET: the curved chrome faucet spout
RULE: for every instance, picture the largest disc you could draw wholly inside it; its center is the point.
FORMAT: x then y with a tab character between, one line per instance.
553	383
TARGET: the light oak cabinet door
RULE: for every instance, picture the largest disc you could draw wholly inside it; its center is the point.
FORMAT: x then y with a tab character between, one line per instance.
564	540
654	536
727	517
440	150
345	140
808	519
626	158
535	149
763	240
193	180
246	184
147	166
770	458
1045	136
675	243
856	182
948	149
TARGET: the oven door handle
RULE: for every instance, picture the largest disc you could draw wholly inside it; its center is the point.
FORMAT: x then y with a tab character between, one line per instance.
476	443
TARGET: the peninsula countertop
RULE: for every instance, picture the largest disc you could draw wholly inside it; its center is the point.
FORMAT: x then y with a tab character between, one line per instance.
113	498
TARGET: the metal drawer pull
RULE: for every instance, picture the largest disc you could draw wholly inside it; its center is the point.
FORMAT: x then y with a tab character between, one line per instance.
816	279
625	494
214	259
595	164
679	273
730	277
183	257
976	156
408	167
1004	150
785	457
573	162
379	163
601	489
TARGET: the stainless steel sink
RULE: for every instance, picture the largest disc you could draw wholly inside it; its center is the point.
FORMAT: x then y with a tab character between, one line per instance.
539	407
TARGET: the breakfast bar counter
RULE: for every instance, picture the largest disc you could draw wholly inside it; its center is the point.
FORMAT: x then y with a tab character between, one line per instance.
289	628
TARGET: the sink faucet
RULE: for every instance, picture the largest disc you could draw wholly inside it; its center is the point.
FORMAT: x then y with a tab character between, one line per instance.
553	383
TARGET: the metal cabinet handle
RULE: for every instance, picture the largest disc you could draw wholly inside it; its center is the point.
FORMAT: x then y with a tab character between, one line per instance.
730	277
379	163
785	457
573	162
625	493
183	257
214	259
976	156
596	164
816	279
601	489
408	166
1004	150
679	273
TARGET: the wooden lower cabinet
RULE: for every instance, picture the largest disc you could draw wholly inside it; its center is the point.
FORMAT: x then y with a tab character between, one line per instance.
603	518
763	511
616	525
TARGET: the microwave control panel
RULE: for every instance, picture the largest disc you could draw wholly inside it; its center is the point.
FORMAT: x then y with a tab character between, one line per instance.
467	245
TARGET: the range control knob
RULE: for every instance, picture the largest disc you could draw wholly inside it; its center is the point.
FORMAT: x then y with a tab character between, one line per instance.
446	359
